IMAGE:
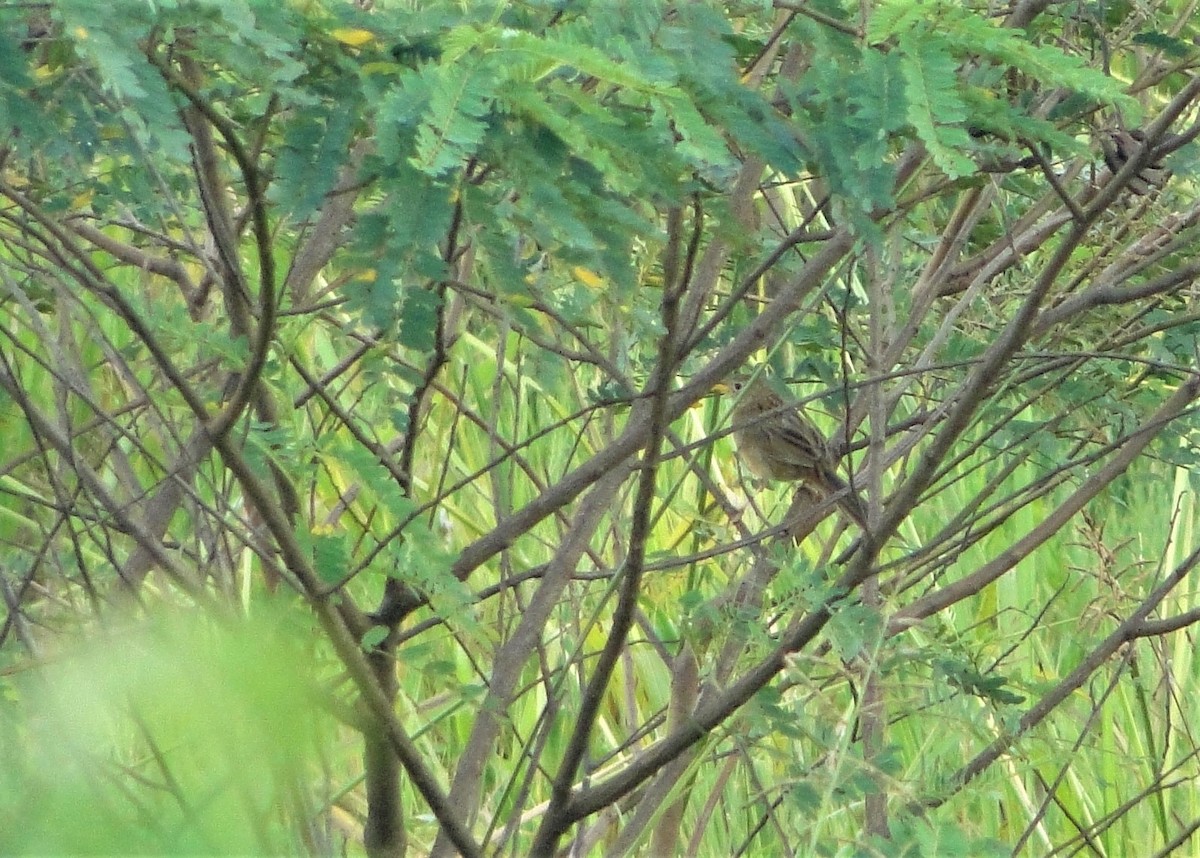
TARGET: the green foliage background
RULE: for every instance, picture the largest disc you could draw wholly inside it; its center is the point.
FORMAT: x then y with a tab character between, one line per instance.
337	343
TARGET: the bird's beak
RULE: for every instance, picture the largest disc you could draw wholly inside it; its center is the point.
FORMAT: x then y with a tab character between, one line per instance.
716	390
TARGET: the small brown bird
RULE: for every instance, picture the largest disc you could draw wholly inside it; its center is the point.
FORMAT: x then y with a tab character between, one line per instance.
776	441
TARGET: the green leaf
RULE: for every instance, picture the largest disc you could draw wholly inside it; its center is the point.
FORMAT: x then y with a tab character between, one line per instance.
573	129
935	108
459	99
388	493
892	17
701	143
313	149
1169	45
14	71
419	319
851	628
558	54
331	557
1050	66
374	636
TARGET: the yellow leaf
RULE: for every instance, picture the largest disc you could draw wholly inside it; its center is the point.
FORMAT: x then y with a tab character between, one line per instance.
379	68
353	37
518	300
587	277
